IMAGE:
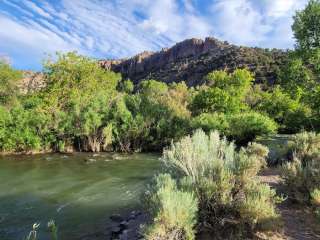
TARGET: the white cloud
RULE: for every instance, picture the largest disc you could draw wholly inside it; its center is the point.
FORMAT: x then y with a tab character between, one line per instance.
167	17
282	8
238	21
265	23
121	28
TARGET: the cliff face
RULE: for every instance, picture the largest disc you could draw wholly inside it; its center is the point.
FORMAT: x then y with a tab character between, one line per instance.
189	61
192	59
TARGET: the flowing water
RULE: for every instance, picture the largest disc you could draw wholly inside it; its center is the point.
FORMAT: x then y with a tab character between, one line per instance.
79	191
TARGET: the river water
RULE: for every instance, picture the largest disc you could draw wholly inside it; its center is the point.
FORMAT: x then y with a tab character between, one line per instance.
79	191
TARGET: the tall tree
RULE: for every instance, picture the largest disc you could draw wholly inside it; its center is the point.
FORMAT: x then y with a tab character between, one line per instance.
306	27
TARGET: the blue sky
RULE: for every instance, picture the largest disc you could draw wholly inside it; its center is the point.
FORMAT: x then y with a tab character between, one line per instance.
32	29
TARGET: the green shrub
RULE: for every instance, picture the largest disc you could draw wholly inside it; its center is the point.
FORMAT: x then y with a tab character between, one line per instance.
224	180
210	122
291	115
226	93
241	127
315	197
293	176
302	175
18	131
259	151
245	127
174	211
258	205
306	146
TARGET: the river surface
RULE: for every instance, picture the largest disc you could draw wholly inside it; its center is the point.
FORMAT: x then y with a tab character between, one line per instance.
78	191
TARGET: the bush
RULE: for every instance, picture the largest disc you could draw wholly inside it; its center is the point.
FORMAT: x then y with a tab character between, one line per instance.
302	175
291	115
18	130
245	127
174	211
224	180
306	146
241	127
226	93
260	151
257	207
315	197
210	122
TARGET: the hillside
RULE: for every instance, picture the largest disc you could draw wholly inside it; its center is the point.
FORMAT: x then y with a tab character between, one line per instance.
192	59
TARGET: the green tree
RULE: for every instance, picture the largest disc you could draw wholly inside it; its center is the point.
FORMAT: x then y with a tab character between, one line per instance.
291	114
296	78
226	93
8	83
306	27
78	96
18	131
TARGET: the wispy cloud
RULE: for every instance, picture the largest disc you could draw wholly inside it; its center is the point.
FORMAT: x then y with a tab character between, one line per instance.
35	8
121	28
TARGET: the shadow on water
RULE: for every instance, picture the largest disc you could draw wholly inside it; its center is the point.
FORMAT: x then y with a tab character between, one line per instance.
78	191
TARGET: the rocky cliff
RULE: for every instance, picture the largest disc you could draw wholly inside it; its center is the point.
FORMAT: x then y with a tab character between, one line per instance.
31	81
192	59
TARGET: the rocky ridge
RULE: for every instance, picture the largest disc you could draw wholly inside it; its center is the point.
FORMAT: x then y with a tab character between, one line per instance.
189	61
193	59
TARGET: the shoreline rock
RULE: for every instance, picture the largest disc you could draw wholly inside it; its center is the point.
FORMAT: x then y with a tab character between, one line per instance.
129	227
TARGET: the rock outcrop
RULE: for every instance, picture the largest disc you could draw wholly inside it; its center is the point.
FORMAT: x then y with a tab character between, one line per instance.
189	61
192	59
31	81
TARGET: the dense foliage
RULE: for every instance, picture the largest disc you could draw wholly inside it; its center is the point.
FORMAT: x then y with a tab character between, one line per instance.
86	108
306	26
224	182
302	174
8	83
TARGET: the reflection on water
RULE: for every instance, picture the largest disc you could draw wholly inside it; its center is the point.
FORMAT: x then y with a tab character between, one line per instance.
78	191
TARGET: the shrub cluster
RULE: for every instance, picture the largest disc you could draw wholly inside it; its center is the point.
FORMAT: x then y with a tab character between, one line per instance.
224	181
302	174
174	211
241	127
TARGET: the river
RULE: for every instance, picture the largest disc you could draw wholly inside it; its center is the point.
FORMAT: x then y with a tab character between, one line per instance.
79	191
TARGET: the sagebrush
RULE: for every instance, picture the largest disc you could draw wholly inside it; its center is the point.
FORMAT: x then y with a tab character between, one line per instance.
174	211
225	182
